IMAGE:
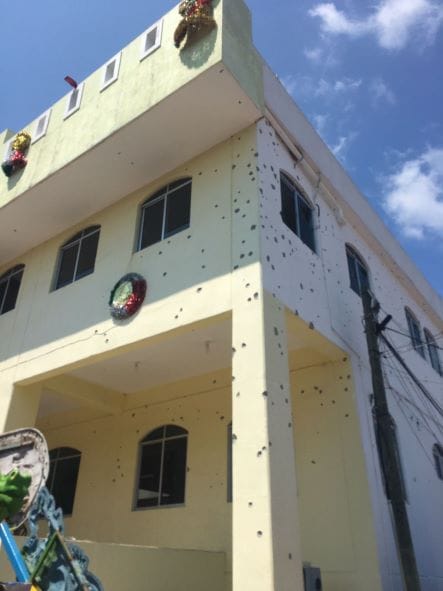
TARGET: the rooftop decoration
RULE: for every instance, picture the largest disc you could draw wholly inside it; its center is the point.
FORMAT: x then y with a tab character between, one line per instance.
127	296
197	15
16	159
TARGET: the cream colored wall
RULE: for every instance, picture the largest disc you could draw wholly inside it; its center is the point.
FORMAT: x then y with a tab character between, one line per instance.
333	493
107	477
187	274
121	567
140	85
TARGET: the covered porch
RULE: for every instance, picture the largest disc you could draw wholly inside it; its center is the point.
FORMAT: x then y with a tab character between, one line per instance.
193	378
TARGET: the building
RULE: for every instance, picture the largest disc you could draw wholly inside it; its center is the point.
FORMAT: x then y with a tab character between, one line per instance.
223	435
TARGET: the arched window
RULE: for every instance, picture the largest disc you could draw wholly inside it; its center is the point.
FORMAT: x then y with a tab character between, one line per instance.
433	352
64	465
358	271
165	213
9	288
162	467
437	451
77	257
296	211
415	332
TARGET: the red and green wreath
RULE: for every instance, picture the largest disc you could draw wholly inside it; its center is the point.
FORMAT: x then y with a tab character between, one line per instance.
127	296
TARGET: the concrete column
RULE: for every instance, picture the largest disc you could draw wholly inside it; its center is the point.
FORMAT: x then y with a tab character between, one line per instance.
18	406
266	545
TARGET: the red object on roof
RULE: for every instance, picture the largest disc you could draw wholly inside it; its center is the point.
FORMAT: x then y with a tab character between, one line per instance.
71	81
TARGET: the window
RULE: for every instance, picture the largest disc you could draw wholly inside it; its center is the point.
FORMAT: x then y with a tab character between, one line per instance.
414	332
358	272
229	465
437	451
433	352
77	257
41	126
296	212
74	100
162	467
151	40
111	70
9	288
165	213
64	464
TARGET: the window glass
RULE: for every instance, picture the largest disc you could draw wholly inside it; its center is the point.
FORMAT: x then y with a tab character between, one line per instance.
296	212
9	288
415	333
438	458
63	475
152	223
178	210
162	467
86	257
77	256
165	213
358	273
67	265
433	352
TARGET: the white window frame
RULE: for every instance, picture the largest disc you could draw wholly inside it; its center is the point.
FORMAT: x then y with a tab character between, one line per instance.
36	136
116	59
158	40
68	111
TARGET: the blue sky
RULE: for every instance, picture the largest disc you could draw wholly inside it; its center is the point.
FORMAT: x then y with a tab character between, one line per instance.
368	75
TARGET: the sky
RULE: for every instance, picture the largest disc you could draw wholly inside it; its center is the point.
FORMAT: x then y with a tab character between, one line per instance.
368	75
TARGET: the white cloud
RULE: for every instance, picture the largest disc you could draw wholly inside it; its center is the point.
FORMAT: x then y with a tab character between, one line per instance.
342	146
320	122
393	22
381	92
314	54
414	195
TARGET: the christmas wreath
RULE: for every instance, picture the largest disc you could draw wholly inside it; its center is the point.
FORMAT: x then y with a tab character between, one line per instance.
127	296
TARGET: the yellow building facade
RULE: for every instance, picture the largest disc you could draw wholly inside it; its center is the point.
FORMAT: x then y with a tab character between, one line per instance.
248	344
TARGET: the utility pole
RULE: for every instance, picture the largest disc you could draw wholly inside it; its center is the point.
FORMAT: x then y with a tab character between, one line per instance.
388	448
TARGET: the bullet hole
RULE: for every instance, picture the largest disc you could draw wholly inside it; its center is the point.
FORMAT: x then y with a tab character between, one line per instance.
311	325
236	210
216	205
250	253
256	295
268	258
234	437
253	227
222	418
259	533
250	504
234	166
199	289
313	462
276	331
242	256
333	401
289	425
203	266
346	415
114	480
164	274
290	556
237	395
258	454
133	415
248	285
265	393
301	286
235	267
214	381
243	345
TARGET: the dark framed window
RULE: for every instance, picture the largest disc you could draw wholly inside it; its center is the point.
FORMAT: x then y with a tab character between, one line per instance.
77	257
165	213
9	288
415	332
296	211
64	465
161	474
358	272
437	452
433	352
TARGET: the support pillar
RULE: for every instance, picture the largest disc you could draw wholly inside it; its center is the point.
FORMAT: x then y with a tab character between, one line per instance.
18	406
266	545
